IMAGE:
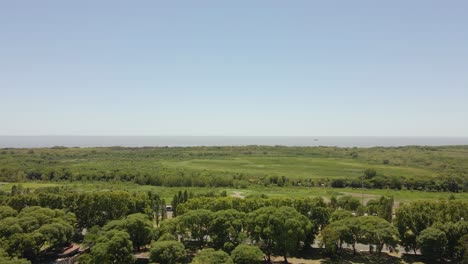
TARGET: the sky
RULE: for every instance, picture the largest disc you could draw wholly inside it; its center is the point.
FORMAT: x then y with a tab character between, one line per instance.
238	68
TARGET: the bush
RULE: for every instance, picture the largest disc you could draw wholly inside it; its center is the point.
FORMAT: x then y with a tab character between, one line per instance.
246	254
170	252
210	256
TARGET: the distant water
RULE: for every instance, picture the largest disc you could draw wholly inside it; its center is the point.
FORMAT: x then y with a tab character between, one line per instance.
141	141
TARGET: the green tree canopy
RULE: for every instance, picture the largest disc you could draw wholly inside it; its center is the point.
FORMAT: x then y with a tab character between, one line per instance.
278	230
210	256
113	247
432	242
226	229
247	254
168	252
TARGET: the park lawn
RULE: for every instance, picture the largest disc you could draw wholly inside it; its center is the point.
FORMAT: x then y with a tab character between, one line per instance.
299	167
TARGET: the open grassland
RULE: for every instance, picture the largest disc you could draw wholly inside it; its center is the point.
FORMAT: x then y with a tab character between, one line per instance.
250	168
298	167
311	162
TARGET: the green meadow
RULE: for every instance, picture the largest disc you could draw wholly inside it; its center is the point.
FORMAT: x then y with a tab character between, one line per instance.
299	167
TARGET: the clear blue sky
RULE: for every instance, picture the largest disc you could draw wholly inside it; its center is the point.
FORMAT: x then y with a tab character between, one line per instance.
318	68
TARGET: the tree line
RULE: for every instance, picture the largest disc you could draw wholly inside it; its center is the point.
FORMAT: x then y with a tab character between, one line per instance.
116	224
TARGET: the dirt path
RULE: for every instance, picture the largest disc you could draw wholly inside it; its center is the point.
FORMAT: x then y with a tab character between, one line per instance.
237	195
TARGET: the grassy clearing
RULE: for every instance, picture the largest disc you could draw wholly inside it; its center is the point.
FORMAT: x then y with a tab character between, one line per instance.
298	167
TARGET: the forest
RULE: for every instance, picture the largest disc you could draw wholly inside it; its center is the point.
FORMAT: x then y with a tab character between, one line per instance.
124	227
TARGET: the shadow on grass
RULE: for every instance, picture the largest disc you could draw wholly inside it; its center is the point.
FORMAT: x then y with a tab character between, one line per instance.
347	257
412	258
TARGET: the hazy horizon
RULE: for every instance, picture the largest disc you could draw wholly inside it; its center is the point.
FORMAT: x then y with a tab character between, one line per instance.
192	141
243	68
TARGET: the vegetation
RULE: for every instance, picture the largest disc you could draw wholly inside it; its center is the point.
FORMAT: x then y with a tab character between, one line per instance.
170	252
125	223
272	214
210	256
412	168
247	254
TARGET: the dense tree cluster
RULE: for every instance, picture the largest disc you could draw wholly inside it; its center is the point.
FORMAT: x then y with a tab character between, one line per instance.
91	208
435	228
117	224
23	234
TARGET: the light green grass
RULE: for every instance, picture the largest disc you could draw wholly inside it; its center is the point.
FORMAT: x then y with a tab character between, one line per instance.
298	167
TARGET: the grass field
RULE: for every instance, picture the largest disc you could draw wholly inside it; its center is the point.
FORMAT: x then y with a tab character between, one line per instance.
298	167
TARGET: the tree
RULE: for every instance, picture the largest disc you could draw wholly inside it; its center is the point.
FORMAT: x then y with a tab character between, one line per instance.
329	239
411	219
453	232
210	256
138	226
348	202
247	254
197	222
377	231
278	230
7	211
340	214
432	242
462	249
382	207
113	247
57	233
369	173
5	259
140	229
226	229
170	252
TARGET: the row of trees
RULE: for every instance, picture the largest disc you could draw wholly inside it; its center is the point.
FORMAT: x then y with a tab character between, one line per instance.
121	223
91	208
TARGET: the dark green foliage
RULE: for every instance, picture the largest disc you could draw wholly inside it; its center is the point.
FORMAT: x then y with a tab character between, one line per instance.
137	226
247	254
369	230
454	232
278	230
411	219
168	252
210	256
462	249
6	211
91	208
369	174
348	202
113	247
226	229
6	259
340	214
432	242
33	227
140	229
382	207
197	223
